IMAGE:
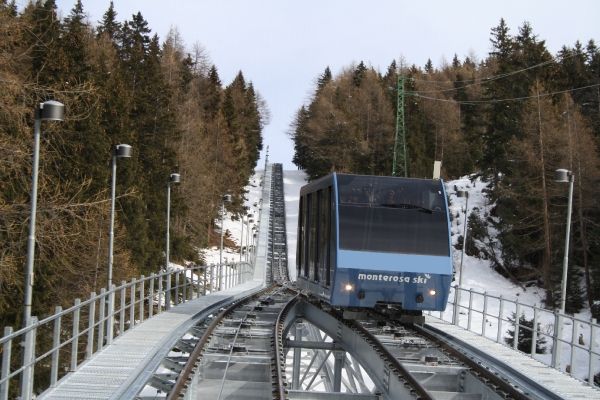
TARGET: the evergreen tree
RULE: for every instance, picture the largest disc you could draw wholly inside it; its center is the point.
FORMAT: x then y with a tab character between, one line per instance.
429	66
359	73
524	340
109	25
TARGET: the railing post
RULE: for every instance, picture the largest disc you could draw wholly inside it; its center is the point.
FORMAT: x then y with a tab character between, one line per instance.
151	296
55	347
132	305
75	342
141	313
110	321
198	272
101	317
500	317
176	296
184	286
470	315
6	350
485	312
590	350
122	309
573	347
28	361
534	333
556	341
160	293
91	321
455	320
517	324
168	292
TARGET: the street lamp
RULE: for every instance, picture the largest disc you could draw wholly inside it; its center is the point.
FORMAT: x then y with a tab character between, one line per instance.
120	151
248	222
565	176
47	111
465	194
242	232
173	178
226	199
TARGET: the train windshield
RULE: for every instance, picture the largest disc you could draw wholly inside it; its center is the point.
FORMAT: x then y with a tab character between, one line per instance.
390	214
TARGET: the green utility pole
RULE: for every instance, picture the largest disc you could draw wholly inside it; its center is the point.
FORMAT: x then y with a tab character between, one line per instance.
400	139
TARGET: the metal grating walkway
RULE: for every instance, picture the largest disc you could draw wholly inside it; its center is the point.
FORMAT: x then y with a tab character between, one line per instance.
559	383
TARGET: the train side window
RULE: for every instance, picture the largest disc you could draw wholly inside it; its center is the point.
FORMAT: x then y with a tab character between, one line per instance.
323	233
318	236
326	236
312	235
306	243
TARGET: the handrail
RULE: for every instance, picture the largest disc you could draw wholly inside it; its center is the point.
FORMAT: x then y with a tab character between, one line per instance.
494	316
73	335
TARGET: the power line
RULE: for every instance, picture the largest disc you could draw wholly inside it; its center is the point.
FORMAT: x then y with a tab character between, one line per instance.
492	101
483	80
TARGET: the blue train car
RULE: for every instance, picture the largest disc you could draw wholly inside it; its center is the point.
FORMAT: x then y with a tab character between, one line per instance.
375	242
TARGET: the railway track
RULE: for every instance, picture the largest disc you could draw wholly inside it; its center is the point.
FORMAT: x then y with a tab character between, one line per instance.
236	357
277	253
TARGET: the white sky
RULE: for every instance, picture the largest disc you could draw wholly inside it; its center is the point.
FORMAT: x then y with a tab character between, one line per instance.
282	46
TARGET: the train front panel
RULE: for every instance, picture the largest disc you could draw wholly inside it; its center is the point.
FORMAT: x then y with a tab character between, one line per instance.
393	244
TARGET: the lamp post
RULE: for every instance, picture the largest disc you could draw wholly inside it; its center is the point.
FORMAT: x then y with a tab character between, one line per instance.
465	194
173	178
226	199
248	222
47	111
120	151
242	234
565	176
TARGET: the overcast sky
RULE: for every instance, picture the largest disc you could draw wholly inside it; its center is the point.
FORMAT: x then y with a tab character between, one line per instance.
283	45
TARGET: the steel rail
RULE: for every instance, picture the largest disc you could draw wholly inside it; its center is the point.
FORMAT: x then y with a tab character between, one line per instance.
278	368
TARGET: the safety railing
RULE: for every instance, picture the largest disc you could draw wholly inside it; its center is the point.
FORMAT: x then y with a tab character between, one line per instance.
564	342
34	358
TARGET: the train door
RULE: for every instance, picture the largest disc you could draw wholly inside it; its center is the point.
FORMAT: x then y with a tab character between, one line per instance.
330	236
300	244
313	251
306	236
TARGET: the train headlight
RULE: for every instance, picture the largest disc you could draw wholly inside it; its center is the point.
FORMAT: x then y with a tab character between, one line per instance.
432	292
348	287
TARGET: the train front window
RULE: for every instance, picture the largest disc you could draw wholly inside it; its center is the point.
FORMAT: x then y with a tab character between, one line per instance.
392	215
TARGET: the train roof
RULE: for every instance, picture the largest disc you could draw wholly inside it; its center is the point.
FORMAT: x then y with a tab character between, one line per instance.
329	178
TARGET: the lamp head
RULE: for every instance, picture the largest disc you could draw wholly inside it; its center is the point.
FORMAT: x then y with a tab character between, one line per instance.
562	175
174	178
51	110
123	150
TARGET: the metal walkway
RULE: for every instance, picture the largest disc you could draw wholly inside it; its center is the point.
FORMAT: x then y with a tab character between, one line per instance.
555	381
122	368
